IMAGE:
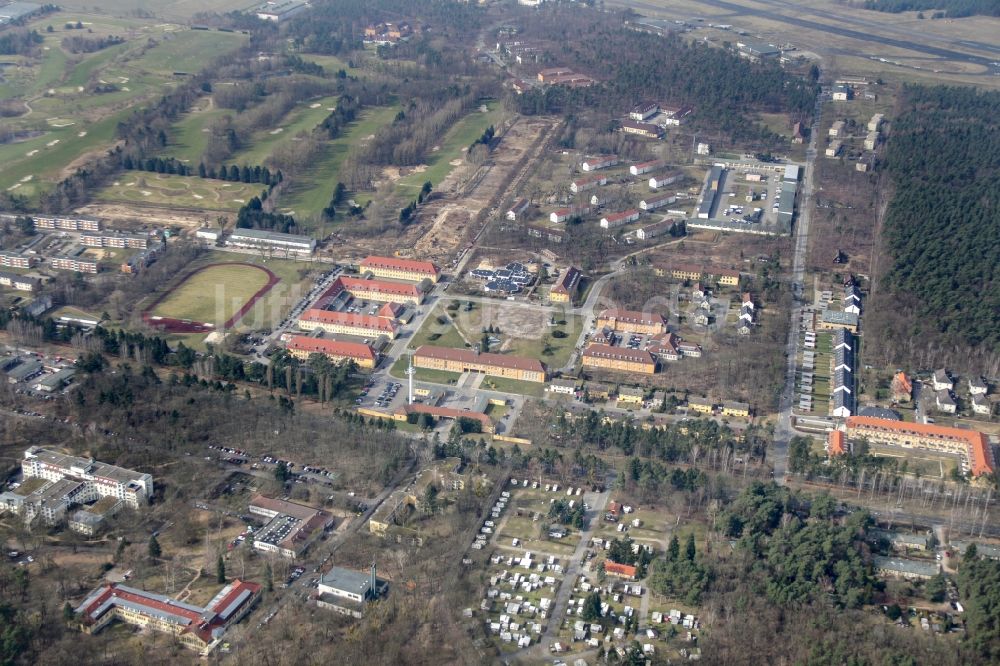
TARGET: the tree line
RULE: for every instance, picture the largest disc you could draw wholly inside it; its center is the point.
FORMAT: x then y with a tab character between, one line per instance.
941	8
942	282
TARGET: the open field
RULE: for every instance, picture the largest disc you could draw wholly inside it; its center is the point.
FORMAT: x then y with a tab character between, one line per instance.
453	147
303	118
312	190
190	133
142	187
850	39
176	9
65	117
212	294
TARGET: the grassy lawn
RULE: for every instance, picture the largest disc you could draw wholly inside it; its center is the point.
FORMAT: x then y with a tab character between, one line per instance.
190	134
270	309
187	191
504	385
453	147
55	86
303	118
432	332
70	311
398	371
213	295
311	192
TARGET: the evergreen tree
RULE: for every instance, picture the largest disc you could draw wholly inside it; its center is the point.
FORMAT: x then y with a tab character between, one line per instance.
689	549
154	547
220	570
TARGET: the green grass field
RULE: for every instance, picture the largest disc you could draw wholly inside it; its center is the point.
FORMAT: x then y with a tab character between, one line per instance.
303	118
166	8
144	187
452	148
213	295
190	135
68	120
312	190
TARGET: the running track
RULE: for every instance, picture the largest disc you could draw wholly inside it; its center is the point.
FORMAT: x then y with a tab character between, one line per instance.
171	325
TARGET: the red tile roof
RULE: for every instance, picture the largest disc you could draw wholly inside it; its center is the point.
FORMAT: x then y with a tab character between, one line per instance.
837	445
613	568
371	322
449	413
355	350
619	353
380	286
980	453
470	357
395	263
633	317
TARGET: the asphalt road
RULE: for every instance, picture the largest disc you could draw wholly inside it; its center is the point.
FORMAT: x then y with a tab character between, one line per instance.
783	430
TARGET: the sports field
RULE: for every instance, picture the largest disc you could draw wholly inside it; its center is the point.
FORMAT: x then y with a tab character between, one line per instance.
144	187
213	294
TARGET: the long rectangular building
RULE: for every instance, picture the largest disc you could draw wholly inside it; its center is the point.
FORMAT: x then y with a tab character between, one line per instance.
76	264
16	260
621	359
401	269
465	360
347	323
196	627
17	281
647	323
375	290
257	239
971	444
133	488
291	528
302	346
694	273
66	223
112	239
565	287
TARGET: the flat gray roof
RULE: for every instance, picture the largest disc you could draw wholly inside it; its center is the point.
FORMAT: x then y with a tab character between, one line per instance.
347	580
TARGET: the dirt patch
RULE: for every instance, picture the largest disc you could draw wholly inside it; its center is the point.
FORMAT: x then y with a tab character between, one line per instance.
471	191
130	214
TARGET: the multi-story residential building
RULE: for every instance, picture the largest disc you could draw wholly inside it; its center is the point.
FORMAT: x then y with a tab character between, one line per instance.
55	482
647	130
466	360
615	220
402	269
16	260
196	627
723	276
740	409
600	162
565	287
970	444
620	359
375	290
701	405
78	264
19	282
302	347
348	323
114	239
51	222
646	167
646	323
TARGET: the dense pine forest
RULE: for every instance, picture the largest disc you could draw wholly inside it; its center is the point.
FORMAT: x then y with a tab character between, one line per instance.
941	280
950	8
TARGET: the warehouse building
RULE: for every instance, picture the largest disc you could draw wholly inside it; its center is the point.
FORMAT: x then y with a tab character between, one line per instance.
255	239
346	591
291	527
